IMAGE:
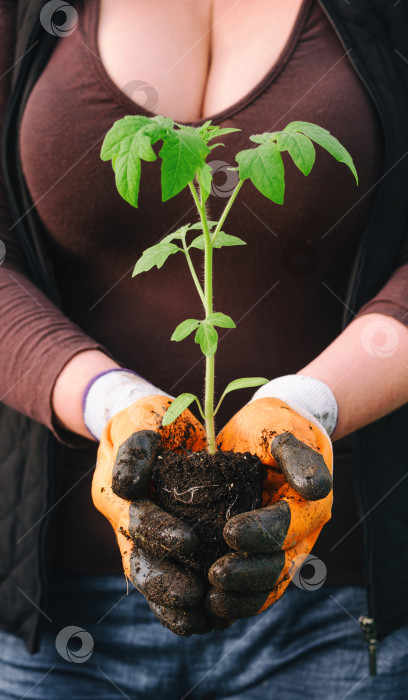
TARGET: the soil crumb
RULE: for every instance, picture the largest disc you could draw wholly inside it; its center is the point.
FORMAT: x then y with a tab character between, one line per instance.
204	491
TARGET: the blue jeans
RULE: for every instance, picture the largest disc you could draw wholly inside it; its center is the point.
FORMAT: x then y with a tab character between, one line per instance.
307	646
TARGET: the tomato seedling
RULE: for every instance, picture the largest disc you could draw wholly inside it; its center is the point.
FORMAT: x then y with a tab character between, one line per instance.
183	153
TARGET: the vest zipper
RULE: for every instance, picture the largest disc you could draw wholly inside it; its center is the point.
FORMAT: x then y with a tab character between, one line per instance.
367	622
369	629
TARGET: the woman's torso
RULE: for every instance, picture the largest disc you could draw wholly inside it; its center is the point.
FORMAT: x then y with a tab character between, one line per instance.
199	57
285	290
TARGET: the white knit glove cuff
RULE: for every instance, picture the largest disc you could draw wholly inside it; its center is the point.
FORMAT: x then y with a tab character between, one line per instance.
308	396
110	392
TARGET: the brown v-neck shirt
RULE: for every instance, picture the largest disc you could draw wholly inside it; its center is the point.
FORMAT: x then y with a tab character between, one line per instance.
284	290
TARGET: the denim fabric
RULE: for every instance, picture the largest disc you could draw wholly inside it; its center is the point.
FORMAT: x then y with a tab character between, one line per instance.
308	645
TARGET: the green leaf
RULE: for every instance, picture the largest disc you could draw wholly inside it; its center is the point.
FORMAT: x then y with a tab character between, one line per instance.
223	239
183	153
180	234
199	226
219	319
128	141
121	132
207	338
165	123
266	137
204	178
264	167
177	407
154	256
326	140
300	149
184	329
244	383
128	168
209	131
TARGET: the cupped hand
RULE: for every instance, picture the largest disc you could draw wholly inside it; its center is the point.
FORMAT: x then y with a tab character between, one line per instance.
270	544
150	540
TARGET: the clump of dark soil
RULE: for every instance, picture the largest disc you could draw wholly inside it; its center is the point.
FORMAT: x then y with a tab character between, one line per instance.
204	491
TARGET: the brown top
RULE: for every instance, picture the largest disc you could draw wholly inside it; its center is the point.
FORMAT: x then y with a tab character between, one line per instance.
284	290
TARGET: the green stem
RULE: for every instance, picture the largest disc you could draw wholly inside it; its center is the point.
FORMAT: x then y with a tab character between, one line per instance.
226	210
193	273
208	306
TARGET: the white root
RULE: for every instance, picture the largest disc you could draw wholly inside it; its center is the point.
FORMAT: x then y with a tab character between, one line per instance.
191	491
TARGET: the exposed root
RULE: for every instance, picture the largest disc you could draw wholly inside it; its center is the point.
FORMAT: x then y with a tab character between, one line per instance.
228	513
191	491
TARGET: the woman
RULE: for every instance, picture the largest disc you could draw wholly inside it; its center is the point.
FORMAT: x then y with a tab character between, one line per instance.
206	62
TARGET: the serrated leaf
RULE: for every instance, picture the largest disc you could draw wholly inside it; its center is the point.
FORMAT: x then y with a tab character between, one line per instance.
221	320
143	145
128	168
264	167
198	225
244	383
209	131
198	242
185	328
165	123
178	235
300	148
263	138
123	130
177	407
129	140
223	239
183	153
325	140
207	338
204	178
155	256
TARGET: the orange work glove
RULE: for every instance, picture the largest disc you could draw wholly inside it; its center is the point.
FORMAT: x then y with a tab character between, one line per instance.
271	543
127	451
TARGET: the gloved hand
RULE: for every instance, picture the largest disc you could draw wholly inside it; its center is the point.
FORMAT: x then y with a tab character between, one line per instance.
271	543
128	423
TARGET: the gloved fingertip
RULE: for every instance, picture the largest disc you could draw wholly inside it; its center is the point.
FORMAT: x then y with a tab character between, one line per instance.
160	531
232	606
243	573
134	463
304	467
163	582
181	622
260	531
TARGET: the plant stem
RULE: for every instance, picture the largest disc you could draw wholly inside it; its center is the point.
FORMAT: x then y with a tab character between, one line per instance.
193	273
208	307
226	210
